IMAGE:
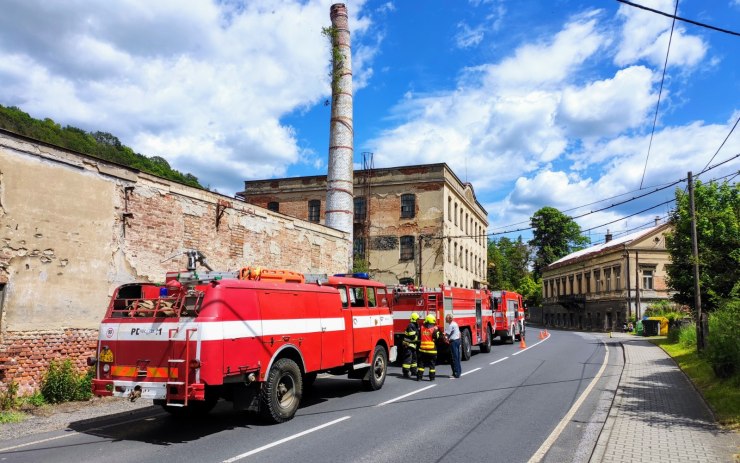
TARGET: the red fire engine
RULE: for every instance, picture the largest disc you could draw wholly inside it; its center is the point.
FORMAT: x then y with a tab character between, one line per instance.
471	309
508	315
254	337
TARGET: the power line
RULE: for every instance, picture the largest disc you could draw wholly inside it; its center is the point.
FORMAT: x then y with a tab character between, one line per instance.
723	141
708	26
660	93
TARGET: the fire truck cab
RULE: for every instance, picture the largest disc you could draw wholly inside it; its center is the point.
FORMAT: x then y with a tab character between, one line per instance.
508	315
470	308
254	337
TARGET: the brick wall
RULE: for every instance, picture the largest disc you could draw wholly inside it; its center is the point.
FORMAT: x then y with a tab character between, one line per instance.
25	355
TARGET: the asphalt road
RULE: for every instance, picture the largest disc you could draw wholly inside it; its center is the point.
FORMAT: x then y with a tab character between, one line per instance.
510	405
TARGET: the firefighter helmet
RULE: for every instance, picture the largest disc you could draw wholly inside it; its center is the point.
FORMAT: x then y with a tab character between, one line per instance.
430	319
414	316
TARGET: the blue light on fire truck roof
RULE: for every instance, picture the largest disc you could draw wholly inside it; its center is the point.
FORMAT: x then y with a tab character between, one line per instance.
363	275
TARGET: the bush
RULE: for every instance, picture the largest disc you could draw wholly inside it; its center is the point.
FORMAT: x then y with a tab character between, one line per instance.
36	399
723	348
687	335
673	333
9	397
84	385
62	383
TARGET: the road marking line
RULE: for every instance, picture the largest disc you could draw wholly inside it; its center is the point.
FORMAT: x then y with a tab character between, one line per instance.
467	372
545	447
282	441
499	360
73	433
38	441
533	345
405	395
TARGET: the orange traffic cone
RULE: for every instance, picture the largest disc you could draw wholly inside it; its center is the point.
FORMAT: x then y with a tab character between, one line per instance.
542	334
522	344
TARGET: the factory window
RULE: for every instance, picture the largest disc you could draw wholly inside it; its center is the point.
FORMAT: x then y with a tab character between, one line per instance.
359	248
449	208
360	209
407	248
314	210
274	206
408	206
455	213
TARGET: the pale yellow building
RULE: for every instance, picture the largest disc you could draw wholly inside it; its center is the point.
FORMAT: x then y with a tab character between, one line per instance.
417	224
604	286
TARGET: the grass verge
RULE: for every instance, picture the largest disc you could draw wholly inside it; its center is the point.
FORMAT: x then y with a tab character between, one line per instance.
722	395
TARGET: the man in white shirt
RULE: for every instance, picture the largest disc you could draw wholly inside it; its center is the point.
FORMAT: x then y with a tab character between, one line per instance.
452	333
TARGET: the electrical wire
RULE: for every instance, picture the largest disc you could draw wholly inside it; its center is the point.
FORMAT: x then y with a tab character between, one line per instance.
708	26
723	142
660	93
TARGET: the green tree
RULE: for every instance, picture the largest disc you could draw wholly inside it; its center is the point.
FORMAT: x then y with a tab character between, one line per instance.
718	235
555	235
508	263
102	145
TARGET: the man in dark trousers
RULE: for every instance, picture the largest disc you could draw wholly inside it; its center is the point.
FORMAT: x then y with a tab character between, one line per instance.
430	335
452	333
410	345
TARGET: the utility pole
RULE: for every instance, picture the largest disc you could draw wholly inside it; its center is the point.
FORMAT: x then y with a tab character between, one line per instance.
700	323
420	261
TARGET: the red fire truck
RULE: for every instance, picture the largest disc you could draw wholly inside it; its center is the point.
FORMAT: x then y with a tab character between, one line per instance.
253	337
470	308
508	315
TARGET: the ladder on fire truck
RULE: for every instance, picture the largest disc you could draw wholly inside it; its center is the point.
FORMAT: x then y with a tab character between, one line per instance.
179	365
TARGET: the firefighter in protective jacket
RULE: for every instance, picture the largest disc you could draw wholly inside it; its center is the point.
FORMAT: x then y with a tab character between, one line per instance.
410	345
430	335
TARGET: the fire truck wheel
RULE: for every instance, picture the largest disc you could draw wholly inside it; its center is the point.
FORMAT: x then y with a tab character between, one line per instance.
281	393
512	335
466	347
378	369
485	347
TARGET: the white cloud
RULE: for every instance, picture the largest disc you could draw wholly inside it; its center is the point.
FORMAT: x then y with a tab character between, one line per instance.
204	86
469	36
610	106
645	36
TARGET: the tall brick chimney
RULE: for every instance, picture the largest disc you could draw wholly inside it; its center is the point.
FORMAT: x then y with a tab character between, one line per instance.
339	180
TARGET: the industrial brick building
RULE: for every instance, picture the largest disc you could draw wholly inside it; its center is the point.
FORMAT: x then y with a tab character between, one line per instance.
73	227
417	224
603	286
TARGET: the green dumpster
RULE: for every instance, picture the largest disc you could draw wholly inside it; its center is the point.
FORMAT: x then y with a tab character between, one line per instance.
650	327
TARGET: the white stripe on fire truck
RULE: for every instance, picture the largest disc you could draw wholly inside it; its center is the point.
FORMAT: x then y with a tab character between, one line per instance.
403	314
215	331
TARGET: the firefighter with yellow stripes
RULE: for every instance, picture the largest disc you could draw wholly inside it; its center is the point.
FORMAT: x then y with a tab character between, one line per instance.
410	345
430	335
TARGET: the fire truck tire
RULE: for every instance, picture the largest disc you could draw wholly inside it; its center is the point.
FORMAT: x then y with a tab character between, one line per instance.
281	393
378	370
512	334
485	347
466	348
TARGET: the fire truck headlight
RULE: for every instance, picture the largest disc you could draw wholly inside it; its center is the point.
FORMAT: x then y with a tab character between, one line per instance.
106	367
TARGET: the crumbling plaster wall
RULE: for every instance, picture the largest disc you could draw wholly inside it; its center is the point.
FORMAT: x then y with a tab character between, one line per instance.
72	228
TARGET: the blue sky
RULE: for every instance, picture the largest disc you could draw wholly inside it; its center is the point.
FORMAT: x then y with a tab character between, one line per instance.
534	102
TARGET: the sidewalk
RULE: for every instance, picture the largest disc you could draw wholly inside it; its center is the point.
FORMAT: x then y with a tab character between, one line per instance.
658	416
